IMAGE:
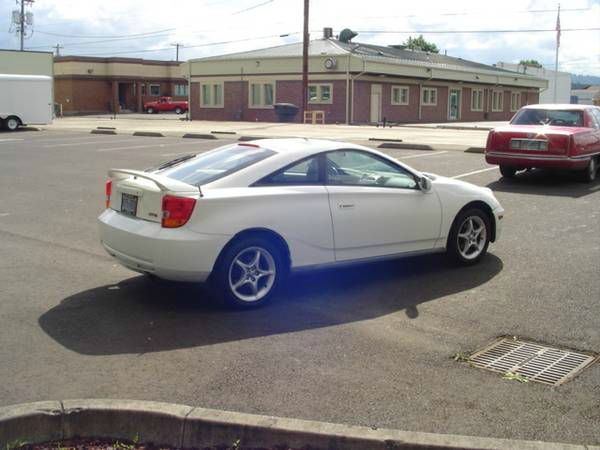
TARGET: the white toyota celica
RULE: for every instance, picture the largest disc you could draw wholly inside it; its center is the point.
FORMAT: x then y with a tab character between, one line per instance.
246	214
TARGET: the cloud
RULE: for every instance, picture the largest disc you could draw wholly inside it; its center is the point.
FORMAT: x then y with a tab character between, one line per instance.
201	22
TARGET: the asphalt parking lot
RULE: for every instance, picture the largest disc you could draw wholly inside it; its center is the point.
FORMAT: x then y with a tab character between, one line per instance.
369	345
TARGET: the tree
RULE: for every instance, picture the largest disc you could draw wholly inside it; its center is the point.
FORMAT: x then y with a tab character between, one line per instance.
530	62
419	43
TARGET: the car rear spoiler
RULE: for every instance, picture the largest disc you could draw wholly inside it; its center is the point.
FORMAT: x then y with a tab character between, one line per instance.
165	184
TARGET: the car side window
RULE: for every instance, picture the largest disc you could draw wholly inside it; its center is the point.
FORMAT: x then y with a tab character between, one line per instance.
358	168
301	173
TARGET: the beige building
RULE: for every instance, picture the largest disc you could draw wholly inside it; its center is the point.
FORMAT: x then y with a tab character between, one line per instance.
85	85
351	82
14	62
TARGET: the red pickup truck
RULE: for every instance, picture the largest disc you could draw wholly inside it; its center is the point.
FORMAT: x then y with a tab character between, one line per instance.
166	104
548	136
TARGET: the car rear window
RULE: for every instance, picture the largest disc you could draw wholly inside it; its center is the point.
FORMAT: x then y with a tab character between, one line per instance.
216	164
558	117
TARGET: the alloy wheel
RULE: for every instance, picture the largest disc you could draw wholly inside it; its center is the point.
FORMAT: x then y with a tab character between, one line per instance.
472	235
252	274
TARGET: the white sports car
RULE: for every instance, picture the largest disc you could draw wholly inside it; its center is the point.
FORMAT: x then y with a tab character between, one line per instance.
246	214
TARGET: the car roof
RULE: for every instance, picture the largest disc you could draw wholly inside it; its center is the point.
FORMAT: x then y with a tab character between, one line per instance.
303	146
576	107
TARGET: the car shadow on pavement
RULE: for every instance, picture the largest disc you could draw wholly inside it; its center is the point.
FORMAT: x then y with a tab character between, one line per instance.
547	183
139	315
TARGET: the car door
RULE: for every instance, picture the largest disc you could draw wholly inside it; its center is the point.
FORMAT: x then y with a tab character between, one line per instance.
377	207
294	202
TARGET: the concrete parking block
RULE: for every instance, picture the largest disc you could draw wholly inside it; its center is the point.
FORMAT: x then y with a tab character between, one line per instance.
148	134
103	131
405	145
199	136
30	422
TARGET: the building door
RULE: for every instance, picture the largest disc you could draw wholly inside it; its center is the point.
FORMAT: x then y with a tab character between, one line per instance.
375	103
454	104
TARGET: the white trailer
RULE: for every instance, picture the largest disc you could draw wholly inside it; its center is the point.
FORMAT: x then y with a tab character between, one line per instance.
25	100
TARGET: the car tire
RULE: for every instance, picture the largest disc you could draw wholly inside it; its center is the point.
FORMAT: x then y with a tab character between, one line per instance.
508	171
469	236
589	173
12	123
178	110
150	110
249	273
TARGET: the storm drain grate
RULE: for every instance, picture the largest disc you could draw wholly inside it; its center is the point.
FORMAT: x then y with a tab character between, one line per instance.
536	362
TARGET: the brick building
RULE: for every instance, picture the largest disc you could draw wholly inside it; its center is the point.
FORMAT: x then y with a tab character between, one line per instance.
356	83
84	85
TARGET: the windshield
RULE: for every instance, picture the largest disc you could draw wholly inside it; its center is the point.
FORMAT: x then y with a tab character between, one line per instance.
563	117
216	164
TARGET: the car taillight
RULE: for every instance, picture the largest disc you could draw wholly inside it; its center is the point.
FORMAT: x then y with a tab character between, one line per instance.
108	191
176	211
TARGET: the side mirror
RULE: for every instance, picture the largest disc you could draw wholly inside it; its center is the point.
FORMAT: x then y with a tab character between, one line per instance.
424	184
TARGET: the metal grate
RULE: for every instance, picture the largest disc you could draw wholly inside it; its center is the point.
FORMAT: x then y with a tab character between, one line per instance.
534	361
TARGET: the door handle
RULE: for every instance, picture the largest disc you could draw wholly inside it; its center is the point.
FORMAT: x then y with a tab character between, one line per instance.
346	205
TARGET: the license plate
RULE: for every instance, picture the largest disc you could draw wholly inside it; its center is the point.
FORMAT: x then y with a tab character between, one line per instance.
129	204
529	144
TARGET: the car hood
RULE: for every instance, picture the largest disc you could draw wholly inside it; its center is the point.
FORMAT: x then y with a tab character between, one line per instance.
458	188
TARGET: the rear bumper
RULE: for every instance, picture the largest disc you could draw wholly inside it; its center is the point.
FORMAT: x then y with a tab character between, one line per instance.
146	247
541	161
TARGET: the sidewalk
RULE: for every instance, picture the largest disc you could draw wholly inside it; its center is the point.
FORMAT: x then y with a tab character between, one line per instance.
420	136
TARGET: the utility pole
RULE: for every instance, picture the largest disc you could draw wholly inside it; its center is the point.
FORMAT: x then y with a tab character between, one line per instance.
177	45
305	43
23	20
57	47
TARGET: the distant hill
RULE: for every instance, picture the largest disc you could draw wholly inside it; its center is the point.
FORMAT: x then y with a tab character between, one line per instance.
584	79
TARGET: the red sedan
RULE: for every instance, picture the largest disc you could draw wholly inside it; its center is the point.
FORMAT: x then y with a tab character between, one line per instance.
548	136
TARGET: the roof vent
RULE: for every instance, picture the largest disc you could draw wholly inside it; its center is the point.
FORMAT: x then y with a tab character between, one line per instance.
327	33
347	35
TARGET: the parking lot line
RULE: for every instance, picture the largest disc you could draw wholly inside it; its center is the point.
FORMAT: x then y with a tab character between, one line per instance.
70	144
172	144
462	175
10	140
421	155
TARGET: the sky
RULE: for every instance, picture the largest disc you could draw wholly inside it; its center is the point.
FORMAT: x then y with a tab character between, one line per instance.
148	28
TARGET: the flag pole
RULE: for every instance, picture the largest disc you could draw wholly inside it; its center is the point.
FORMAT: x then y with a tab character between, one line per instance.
554	97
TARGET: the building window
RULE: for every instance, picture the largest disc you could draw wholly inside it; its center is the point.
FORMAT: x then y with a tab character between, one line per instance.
211	95
477	100
155	89
515	101
399	95
497	101
181	90
320	93
143	88
429	97
261	95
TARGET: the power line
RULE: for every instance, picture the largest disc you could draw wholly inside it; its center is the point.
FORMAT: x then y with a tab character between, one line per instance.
78	44
252	7
105	37
471	13
208	44
473	31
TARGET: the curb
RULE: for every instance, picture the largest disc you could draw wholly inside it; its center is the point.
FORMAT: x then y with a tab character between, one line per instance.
187	426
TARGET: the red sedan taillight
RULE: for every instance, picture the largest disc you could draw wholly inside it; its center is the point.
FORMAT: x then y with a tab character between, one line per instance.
108	192
176	211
